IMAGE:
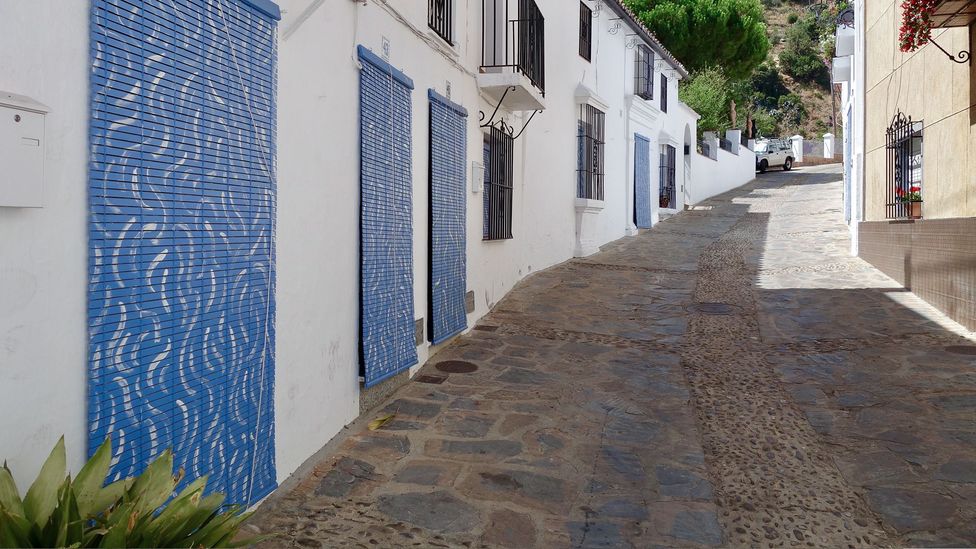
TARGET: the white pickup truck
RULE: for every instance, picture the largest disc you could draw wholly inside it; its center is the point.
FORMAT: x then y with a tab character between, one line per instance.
773	152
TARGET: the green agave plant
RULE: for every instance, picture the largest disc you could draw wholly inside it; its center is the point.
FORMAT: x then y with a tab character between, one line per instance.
59	511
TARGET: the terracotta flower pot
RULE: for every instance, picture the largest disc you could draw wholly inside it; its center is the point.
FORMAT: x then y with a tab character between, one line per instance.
915	210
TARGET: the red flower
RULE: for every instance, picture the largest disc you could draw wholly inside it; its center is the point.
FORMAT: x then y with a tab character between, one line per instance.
915	189
900	192
916	27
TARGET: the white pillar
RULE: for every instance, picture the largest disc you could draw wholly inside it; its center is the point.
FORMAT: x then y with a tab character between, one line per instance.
735	136
828	145
752	145
797	144
713	145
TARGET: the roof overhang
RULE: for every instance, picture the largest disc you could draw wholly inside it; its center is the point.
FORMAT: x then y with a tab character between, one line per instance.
954	13
631	19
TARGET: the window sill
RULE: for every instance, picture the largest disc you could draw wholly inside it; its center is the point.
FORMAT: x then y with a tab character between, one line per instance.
589	205
443	45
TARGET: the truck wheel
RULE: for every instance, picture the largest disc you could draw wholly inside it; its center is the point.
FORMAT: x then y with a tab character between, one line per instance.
763	166
788	165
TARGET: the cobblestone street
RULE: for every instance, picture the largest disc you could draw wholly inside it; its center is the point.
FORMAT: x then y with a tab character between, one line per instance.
730	378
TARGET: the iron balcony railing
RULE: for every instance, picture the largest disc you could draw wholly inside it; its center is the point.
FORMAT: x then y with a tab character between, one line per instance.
513	36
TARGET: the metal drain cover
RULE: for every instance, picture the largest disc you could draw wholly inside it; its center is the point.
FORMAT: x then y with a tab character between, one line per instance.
714	308
962	349
456	367
434	380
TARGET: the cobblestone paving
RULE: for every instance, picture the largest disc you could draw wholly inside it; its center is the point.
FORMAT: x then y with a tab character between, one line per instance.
731	378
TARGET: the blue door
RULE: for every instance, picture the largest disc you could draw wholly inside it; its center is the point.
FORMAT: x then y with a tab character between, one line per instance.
448	267
642	182
387	342
181	236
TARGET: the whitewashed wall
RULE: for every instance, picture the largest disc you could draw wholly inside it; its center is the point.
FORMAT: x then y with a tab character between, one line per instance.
713	177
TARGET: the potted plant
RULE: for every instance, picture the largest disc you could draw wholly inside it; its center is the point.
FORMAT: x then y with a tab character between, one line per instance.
912	199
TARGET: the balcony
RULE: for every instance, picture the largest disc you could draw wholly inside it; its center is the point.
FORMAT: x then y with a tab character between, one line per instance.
513	60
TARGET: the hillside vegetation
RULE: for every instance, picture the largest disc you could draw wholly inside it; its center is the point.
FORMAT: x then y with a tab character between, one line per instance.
795	72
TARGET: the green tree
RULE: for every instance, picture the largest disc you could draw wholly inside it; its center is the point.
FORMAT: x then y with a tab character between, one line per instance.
707	92
729	34
802	58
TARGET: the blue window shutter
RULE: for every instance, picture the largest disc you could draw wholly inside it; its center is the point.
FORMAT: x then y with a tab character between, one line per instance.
448	267
387	344
182	270
642	182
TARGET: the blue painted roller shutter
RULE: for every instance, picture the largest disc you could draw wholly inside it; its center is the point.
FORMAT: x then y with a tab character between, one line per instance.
387	344
181	240
448	267
642	182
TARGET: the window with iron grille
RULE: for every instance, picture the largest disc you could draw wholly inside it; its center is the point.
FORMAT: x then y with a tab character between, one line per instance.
586	32
589	174
644	72
904	163
668	194
498	157
664	93
439	18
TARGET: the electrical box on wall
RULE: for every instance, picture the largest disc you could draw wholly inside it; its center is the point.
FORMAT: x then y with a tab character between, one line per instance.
21	151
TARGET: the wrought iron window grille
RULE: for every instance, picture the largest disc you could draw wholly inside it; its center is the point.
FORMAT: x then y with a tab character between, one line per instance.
664	93
514	41
440	18
590	154
586	32
644	72
668	194
498	187
904	168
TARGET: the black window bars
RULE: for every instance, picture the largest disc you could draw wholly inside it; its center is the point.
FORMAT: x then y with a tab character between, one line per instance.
499	156
590	168
668	195
664	93
586	32
644	72
515	41
903	193
440	18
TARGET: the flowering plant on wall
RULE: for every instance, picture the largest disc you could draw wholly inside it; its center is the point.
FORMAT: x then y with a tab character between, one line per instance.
916	23
914	194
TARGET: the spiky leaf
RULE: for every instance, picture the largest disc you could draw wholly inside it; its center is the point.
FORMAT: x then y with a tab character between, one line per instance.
88	484
155	485
9	495
42	496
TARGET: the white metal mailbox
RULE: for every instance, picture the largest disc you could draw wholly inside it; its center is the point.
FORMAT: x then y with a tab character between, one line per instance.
21	151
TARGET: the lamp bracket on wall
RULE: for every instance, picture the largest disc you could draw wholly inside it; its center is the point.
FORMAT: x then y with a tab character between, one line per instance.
964	56
491	120
510	130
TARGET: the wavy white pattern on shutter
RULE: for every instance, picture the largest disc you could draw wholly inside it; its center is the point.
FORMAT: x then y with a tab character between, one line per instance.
448	268
182	200
387	344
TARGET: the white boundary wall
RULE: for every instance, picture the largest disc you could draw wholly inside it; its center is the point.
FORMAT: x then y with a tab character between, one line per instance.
714	177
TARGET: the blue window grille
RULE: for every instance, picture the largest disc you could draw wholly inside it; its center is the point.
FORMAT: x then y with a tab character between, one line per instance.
182	254
387	342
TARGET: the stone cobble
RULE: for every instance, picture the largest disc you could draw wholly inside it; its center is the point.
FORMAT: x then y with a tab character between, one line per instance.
732	378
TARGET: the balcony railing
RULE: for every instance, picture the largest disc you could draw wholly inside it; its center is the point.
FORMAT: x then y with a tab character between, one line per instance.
513	36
